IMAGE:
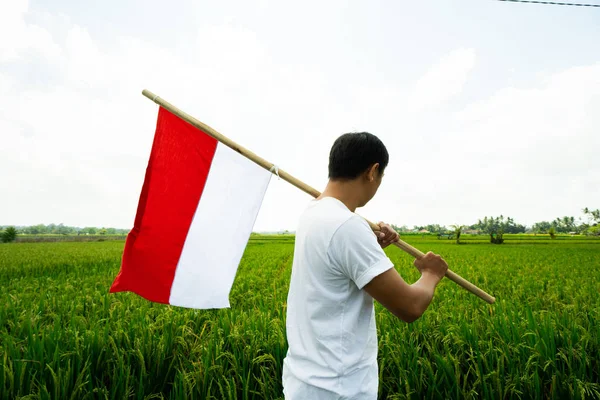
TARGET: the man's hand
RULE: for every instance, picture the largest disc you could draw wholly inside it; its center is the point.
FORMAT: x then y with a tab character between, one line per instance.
386	235
432	264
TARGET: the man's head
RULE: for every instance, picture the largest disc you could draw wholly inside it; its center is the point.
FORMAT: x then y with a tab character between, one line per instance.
361	158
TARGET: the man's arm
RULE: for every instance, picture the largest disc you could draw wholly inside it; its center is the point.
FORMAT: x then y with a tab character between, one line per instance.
408	302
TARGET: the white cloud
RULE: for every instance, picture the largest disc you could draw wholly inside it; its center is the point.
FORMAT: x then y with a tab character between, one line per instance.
531	153
443	81
553	123
20	39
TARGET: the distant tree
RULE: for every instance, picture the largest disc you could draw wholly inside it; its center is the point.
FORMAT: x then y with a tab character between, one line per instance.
512	227
400	229
457	231
564	224
593	215
569	224
594	218
541	227
582	228
102	231
31	230
552	233
436	228
495	227
9	234
62	230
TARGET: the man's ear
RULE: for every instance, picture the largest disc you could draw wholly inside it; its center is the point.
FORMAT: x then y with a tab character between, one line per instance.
372	172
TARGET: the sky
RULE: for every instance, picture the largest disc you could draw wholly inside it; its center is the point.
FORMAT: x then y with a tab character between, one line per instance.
485	107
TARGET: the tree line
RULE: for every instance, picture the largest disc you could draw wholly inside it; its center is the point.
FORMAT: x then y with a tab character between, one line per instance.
496	227
58	229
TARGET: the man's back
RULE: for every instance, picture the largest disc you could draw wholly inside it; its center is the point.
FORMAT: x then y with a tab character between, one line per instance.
330	324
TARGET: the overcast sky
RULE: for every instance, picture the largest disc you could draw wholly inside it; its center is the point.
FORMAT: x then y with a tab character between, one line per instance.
486	107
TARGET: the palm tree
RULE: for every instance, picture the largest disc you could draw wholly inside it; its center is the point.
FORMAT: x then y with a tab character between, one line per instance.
457	231
9	234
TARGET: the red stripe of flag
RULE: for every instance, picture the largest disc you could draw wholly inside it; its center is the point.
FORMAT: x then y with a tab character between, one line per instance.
175	177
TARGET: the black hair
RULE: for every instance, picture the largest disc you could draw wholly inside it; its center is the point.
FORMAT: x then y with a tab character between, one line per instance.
352	153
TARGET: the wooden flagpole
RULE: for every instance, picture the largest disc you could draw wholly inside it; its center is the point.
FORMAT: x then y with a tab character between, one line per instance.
302	186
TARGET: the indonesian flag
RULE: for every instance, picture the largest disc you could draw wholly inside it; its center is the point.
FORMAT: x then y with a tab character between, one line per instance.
196	211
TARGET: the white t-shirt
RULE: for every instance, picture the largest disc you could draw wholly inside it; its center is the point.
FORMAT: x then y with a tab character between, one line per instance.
330	323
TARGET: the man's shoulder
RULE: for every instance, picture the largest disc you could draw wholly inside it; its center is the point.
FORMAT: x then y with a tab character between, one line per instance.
353	226
326	213
330	220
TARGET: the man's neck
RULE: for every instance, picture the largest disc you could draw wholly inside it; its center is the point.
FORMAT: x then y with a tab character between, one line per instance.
344	191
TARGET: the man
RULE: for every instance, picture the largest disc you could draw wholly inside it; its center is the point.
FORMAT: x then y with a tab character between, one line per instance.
339	268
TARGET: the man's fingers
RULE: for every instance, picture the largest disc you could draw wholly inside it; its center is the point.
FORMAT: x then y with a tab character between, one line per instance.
393	236
386	235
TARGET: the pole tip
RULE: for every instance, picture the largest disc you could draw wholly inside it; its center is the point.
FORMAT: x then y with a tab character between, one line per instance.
149	95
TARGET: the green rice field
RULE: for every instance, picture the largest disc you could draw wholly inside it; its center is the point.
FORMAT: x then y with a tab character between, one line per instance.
63	336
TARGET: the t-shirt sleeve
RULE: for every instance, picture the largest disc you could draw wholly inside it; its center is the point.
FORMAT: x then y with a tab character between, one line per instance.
355	251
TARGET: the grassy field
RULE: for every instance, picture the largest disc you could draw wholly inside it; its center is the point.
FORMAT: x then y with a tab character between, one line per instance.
63	336
67	238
